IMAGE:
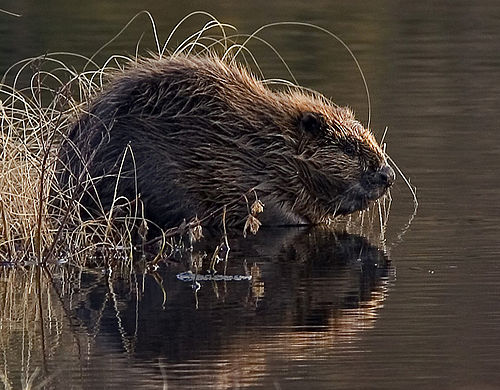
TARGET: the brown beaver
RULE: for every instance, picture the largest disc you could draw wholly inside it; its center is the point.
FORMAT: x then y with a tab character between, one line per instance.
198	132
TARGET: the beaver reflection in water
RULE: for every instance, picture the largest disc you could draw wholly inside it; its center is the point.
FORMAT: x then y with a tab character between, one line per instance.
204	131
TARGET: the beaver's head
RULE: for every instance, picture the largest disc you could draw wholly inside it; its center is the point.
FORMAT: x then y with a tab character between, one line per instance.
339	163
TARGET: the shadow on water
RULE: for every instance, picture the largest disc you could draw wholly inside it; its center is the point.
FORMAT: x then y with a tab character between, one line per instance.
312	291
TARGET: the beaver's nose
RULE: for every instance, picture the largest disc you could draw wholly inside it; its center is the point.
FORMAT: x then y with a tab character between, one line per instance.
385	176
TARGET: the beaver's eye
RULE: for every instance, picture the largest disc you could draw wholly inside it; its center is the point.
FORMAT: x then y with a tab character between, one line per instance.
349	149
312	123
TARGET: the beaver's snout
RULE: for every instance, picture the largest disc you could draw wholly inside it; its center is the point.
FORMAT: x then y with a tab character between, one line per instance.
383	177
375	183
372	186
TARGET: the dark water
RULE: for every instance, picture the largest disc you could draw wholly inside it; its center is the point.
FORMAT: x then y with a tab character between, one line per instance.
323	310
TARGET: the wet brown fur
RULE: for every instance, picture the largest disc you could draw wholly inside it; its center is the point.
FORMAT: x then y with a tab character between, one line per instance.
204	131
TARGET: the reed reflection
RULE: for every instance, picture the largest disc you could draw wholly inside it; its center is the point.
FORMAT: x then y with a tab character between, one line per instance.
311	292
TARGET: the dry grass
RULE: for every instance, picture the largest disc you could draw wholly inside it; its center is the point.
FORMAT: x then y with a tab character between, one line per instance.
38	100
27	166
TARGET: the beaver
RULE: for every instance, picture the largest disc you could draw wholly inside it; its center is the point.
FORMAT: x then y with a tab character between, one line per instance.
188	134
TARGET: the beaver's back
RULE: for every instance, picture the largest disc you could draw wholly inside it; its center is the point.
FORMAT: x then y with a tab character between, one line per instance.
164	127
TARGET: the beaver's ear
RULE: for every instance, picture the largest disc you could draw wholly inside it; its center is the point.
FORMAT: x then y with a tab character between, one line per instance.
312	123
